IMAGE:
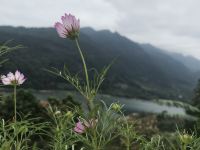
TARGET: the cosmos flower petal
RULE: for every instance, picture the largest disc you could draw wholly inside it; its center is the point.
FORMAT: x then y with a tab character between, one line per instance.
62	32
11	76
17	75
66	23
79	128
69	28
21	79
5	80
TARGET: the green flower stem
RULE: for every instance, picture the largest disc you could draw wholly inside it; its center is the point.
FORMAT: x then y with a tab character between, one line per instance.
84	65
128	142
95	142
90	101
15	113
15	103
127	147
184	147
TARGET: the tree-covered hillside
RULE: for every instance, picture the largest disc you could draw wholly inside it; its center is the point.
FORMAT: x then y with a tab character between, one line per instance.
137	72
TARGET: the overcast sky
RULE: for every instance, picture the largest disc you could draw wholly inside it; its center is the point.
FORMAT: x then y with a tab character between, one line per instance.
170	24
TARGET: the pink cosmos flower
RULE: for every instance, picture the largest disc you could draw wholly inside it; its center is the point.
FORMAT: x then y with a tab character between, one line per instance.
13	79
69	28
79	128
82	126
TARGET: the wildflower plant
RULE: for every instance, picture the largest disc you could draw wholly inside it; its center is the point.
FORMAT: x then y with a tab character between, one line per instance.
60	131
17	135
172	141
128	134
70	28
126	128
155	143
14	80
183	140
98	129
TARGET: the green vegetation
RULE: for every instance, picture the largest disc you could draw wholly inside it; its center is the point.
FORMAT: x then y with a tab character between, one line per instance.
56	123
196	98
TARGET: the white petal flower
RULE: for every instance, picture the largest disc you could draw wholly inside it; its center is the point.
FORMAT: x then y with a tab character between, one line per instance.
13	79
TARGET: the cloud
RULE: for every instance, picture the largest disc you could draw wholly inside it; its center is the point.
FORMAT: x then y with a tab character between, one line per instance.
95	13
171	24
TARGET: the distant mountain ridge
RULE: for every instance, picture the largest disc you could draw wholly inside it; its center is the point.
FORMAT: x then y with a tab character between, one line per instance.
189	61
139	71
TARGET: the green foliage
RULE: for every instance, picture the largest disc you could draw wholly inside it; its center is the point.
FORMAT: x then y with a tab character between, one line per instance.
128	134
4	49
103	132
111	127
63	134
17	135
155	143
79	85
60	131
26	104
173	141
196	97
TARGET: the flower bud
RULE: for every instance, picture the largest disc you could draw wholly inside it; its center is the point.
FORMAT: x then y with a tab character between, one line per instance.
57	112
185	138
116	107
69	114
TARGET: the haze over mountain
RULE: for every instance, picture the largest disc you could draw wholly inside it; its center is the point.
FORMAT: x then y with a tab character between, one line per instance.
141	70
189	61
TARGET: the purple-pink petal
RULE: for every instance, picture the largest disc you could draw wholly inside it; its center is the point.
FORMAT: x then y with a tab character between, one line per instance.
66	23
21	79
17	75
79	128
62	32
69	27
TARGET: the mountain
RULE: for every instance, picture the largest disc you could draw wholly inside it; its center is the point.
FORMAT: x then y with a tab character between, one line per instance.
189	61
139	71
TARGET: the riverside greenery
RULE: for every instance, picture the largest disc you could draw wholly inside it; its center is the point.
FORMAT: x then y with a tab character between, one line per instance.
97	128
